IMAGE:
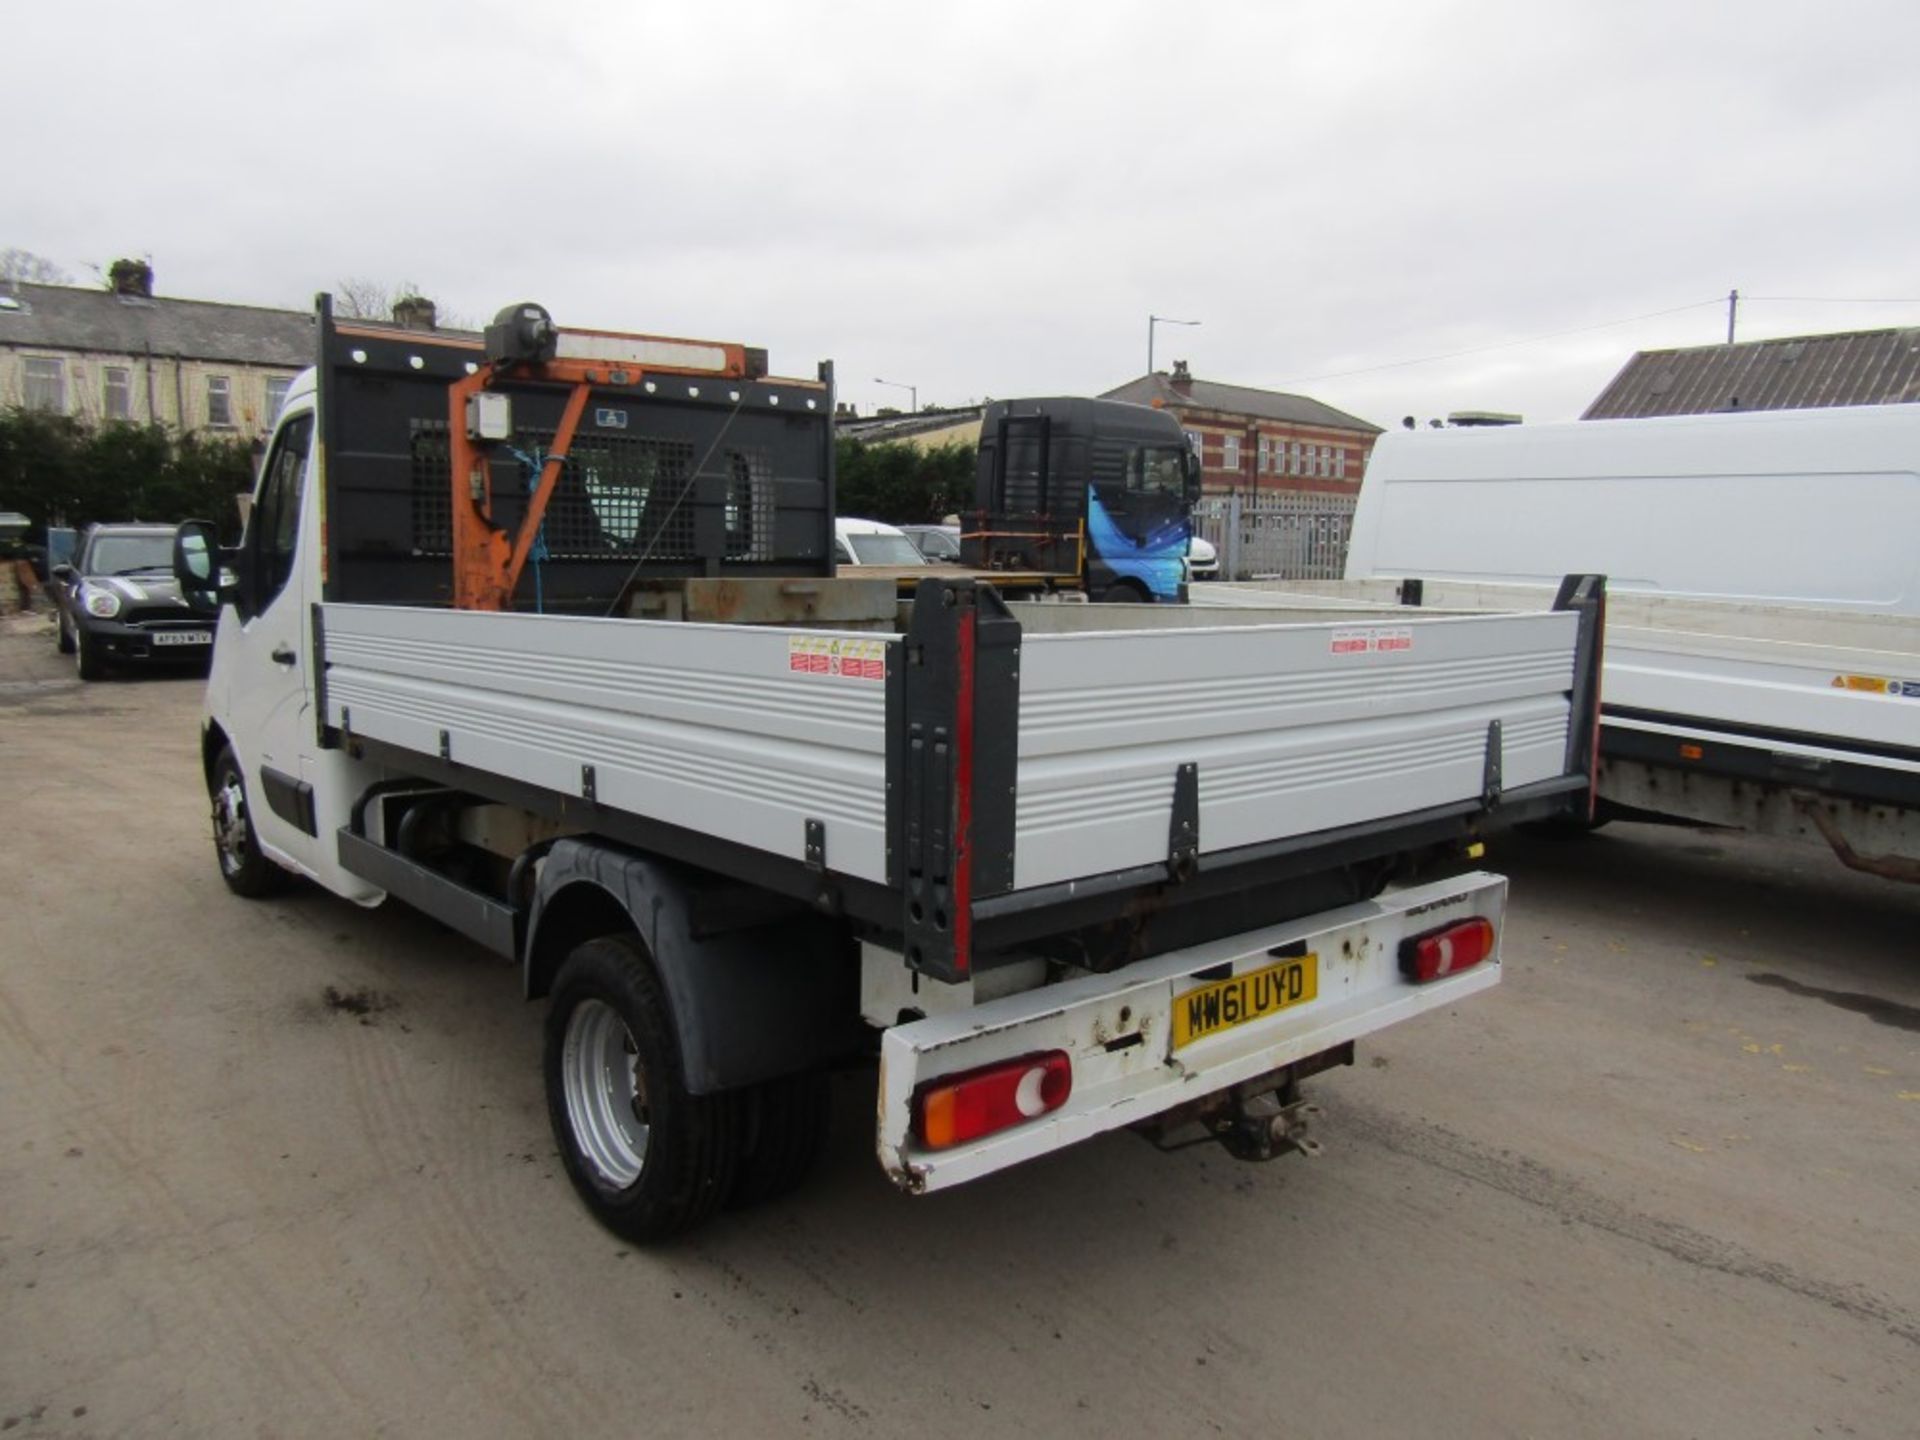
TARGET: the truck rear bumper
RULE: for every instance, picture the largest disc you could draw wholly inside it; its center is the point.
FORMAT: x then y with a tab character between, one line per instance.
1118	1030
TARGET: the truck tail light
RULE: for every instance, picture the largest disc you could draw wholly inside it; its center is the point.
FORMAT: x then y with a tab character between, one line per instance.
1439	953
957	1108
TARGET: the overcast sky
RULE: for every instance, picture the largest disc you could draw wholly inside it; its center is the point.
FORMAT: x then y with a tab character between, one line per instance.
981	199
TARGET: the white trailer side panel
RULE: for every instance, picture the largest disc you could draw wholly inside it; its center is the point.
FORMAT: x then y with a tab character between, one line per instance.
1843	675
711	727
1295	728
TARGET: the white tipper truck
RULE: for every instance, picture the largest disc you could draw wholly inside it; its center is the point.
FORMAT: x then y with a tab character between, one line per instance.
542	636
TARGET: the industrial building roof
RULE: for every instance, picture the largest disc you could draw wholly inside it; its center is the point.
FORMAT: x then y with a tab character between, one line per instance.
1802	372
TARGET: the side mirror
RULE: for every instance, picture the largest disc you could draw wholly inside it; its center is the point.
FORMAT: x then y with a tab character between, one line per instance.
197	561
65	574
1193	478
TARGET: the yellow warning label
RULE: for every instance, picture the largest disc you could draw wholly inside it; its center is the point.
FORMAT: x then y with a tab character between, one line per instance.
1871	684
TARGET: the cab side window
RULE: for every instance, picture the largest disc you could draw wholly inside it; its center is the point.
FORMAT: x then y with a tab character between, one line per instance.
1156	471
274	528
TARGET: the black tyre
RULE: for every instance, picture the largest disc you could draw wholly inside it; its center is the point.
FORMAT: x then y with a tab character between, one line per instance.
62	636
86	655
1563	827
786	1125
649	1159
246	870
1124	592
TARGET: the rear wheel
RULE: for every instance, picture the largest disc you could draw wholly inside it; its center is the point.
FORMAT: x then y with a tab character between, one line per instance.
246	870
786	1129
1564	827
649	1159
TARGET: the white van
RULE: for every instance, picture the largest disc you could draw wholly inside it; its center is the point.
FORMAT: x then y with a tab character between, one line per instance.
859	543
1789	507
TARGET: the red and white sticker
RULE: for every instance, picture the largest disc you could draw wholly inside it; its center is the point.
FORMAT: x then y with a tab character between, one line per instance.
837	657
1370	642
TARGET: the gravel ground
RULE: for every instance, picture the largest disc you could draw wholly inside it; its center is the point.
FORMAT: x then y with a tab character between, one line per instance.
284	1169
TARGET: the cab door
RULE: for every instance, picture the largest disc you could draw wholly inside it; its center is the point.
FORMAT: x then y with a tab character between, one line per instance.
1138	530
265	656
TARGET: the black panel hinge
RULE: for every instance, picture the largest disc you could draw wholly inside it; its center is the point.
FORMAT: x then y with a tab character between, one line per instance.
446	746
1183	830
1490	774
1412	592
817	846
589	784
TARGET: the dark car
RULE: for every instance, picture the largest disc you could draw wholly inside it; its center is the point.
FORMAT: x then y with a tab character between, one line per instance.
117	603
939	543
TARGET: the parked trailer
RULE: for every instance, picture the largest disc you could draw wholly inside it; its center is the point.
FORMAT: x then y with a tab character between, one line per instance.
1061	869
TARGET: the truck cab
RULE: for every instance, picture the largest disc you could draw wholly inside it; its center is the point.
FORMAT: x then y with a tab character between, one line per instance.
1098	490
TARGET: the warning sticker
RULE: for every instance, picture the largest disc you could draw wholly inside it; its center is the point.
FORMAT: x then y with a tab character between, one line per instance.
1870	684
1878	685
837	658
1370	642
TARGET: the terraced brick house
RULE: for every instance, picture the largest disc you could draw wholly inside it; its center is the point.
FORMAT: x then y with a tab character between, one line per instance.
1258	442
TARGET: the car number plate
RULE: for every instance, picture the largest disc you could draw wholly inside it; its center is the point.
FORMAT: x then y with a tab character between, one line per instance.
1208	1010
183	637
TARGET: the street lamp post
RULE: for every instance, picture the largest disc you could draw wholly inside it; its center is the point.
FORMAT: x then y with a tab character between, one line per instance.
913	390
1153	320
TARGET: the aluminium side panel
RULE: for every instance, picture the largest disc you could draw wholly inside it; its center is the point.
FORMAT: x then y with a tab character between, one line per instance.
1294	728
1854	697
739	732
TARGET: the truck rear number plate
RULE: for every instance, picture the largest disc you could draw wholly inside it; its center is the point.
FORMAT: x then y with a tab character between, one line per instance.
1210	1009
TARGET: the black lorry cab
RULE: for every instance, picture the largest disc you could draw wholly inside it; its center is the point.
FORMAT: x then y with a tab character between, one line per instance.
1096	489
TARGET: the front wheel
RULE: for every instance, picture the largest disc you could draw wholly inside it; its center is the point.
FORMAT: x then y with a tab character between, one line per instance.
247	871
86	655
649	1159
63	637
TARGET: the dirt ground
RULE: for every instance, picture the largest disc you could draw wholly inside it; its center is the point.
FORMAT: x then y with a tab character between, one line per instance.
284	1169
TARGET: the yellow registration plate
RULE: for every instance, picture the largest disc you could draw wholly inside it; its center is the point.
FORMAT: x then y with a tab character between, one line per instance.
1209	1009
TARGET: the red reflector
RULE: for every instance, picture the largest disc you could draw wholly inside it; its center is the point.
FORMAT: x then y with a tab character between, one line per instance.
958	1108
1458	947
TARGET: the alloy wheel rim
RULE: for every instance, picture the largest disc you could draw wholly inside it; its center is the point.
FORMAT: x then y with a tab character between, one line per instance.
230	824
605	1093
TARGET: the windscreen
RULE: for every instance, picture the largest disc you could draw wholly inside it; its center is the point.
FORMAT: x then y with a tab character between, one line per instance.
885	550
125	554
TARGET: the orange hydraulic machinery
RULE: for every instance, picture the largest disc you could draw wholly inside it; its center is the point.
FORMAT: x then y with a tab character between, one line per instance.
525	348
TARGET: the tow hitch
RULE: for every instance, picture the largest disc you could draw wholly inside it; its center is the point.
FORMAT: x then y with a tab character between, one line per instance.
1262	1119
1266	1127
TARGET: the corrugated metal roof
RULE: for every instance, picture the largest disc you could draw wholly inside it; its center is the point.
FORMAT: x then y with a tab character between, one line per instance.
1801	372
68	317
1237	400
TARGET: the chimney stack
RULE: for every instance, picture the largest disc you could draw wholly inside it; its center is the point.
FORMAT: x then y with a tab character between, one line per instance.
131	277
414	312
1182	377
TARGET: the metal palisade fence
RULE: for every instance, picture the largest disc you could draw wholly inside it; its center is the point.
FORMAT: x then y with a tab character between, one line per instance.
1285	535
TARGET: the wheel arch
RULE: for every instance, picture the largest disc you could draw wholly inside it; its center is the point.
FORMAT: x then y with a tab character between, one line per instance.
212	741
748	1004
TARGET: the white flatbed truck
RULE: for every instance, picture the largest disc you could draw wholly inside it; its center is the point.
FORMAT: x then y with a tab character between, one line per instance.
1061	869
